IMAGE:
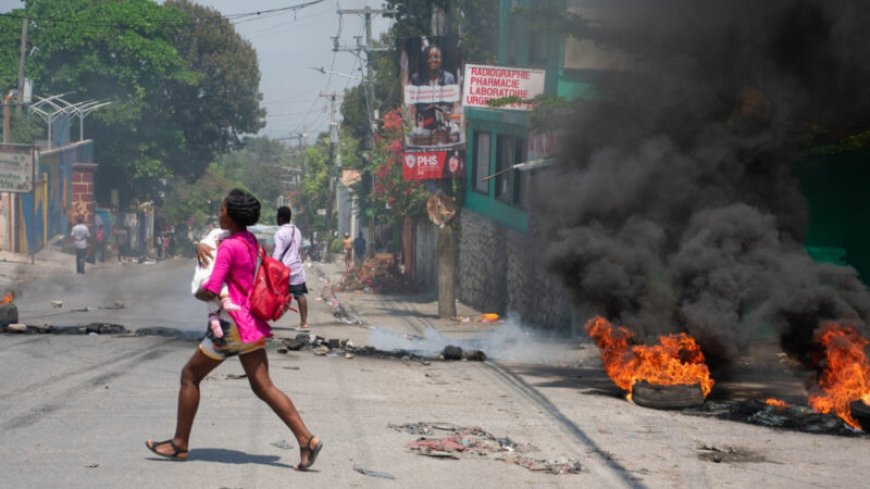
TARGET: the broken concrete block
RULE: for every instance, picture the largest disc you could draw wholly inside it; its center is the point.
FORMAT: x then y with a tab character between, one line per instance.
16	328
321	350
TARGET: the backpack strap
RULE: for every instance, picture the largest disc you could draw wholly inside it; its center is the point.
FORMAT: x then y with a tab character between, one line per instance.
292	237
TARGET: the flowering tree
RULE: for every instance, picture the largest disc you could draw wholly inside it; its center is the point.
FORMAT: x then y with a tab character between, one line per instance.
393	197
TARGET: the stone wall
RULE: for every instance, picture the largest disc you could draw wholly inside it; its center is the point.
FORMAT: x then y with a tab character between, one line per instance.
502	270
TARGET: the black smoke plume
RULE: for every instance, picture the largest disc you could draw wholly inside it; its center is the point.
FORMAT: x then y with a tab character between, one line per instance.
676	206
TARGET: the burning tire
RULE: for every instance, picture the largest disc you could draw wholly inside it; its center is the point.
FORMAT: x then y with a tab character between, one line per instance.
8	314
861	414
666	396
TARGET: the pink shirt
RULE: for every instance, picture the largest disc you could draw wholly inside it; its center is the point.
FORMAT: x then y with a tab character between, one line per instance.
234	264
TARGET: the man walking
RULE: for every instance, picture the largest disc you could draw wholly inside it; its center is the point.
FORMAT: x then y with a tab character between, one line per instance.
347	244
359	248
80	236
288	244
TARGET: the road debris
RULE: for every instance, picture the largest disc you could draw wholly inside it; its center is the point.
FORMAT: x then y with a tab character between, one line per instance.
117	305
729	455
327	295
282	444
373	473
460	441
793	417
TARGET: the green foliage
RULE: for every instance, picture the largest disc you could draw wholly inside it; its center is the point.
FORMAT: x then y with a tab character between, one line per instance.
315	186
183	84
24	128
224	101
477	20
256	168
393	198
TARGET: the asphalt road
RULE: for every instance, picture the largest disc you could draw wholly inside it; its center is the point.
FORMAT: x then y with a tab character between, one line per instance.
75	410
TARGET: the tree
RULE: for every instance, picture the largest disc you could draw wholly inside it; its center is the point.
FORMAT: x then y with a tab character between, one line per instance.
120	51
315	186
223	104
393	197
476	20
183	84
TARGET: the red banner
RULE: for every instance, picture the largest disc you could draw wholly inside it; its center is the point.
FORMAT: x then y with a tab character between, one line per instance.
424	165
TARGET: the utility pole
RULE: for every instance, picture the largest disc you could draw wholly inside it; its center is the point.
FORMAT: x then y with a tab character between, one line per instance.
368	48
368	84
446	247
331	172
21	57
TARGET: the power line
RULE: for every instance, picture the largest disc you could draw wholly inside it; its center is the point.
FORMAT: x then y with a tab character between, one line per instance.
281	9
239	18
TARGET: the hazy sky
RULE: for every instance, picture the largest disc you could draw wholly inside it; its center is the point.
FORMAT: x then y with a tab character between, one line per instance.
287	44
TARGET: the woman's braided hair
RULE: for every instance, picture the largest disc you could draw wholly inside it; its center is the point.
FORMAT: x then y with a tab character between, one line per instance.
242	207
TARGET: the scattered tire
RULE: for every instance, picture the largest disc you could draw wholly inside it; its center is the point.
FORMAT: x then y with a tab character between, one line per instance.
666	396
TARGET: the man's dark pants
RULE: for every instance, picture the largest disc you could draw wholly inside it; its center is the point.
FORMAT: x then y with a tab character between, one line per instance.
81	254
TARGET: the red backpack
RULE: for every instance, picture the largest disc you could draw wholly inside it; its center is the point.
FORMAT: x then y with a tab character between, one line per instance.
271	290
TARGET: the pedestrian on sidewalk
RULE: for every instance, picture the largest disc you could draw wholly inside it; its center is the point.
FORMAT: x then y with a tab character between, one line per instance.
234	265
100	238
122	240
347	244
288	245
80	235
359	248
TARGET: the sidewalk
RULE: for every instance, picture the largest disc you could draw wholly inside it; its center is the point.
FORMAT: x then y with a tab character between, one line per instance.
355	315
411	322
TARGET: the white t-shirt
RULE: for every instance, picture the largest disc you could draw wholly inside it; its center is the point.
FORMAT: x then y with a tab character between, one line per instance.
289	236
80	235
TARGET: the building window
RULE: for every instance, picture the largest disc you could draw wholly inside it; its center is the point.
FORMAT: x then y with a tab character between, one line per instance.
538	46
504	160
481	162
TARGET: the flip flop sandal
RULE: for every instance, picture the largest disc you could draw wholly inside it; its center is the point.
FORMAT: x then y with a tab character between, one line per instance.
313	452
179	455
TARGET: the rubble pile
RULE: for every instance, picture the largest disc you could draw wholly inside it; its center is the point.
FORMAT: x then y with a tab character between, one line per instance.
458	441
379	274
92	329
327	295
319	345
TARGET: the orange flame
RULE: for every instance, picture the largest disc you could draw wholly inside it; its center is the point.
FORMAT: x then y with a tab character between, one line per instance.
7	298
777	403
846	374
676	360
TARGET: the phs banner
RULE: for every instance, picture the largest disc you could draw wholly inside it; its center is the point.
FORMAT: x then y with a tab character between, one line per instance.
425	165
434	135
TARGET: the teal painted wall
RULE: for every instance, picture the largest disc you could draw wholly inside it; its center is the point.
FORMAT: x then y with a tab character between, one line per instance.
497	122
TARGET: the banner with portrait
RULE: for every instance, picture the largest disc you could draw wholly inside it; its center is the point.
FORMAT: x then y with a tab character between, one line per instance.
434	128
